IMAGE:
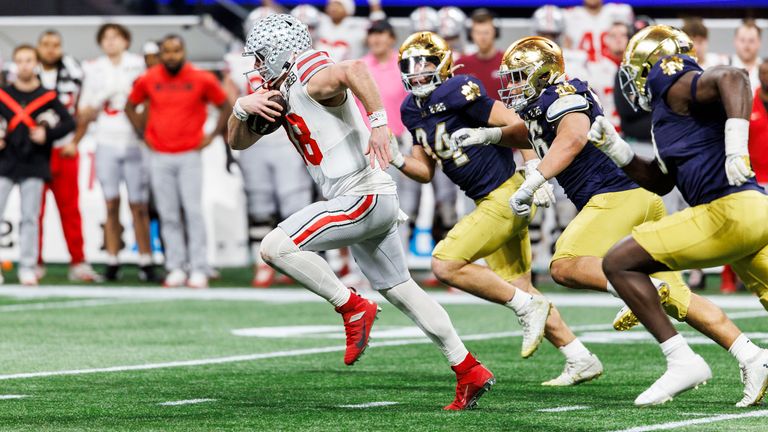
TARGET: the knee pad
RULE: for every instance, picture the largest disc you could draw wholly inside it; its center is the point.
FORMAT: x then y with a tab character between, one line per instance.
277	244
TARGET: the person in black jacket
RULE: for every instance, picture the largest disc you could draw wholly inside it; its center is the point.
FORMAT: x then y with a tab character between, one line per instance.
32	118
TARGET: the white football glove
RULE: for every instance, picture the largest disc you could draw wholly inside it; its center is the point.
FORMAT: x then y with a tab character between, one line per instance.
544	196
604	136
523	197
466	137
397	159
737	166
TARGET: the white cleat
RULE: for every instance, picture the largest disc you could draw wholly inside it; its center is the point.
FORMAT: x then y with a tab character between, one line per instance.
175	279
533	318
198	280
577	371
625	319
755	379
27	277
678	378
83	272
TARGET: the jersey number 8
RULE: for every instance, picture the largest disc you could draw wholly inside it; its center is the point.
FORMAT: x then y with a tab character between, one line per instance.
299	134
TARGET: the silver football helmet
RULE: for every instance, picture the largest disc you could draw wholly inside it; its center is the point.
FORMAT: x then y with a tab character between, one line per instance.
255	15
452	22
548	20
307	14
275	42
424	18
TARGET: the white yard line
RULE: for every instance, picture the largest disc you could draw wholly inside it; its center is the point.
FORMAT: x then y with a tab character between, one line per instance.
270	355
699	421
298	295
68	304
563	409
369	405
8	397
186	402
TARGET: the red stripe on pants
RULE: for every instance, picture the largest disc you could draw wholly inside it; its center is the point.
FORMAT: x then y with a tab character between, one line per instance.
317	226
66	191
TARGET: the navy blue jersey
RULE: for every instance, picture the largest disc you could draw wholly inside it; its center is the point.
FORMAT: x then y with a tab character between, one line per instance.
459	102
690	147
591	172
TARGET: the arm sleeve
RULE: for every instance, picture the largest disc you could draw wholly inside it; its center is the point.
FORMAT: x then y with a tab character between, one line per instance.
139	90
66	123
213	91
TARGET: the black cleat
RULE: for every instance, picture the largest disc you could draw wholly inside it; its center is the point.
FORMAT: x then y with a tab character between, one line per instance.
112	273
147	273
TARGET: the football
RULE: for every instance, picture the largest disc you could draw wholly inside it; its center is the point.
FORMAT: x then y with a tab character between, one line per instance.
260	125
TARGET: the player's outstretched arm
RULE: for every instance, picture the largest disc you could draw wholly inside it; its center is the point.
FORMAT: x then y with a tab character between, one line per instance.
644	172
506	129
329	87
729	86
419	166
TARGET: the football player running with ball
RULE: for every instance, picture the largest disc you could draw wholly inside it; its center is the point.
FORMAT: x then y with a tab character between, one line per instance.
440	104
700	128
558	114
362	209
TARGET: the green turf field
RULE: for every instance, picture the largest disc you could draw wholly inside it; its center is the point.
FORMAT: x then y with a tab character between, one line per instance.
106	363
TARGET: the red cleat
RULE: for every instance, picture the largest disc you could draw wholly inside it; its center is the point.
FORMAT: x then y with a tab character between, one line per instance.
264	276
473	380
359	314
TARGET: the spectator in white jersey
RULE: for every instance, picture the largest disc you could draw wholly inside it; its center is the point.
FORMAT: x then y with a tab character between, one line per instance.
747	44
63	74
341	34
699	33
120	157
587	25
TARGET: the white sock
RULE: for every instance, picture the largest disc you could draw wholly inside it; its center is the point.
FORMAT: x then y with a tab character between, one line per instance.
612	290
519	300
307	268
574	350
676	348
658	283
431	318
145	260
112	260
744	350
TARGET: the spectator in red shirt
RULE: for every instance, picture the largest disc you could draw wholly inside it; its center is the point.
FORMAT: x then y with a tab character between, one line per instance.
484	64
758	128
178	95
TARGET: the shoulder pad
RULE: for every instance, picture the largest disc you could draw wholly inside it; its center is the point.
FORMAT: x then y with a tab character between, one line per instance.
566	104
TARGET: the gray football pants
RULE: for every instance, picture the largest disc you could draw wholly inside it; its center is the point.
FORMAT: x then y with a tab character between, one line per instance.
177	184
31	192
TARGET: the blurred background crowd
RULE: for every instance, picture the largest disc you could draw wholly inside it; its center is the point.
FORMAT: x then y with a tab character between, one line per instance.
128	165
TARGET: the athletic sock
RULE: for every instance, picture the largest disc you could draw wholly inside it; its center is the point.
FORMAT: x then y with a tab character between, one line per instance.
574	350
612	290
744	350
112	260
145	260
431	318
519	301
676	349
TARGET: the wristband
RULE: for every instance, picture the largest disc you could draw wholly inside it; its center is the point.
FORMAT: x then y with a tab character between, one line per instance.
377	118
736	136
239	112
398	161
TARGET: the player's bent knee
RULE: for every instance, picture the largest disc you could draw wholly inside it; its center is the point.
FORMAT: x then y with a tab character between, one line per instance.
444	270
559	271
277	244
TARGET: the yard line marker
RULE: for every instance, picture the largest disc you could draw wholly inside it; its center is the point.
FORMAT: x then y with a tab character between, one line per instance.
564	409
67	304
269	355
704	420
369	405
186	402
7	397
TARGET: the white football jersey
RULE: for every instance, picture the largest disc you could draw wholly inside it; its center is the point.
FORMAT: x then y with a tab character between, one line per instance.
343	41
236	67
601	75
587	32
106	87
332	140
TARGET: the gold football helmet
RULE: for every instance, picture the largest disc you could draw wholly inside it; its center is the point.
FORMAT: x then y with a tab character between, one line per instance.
529	65
646	48
425	62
